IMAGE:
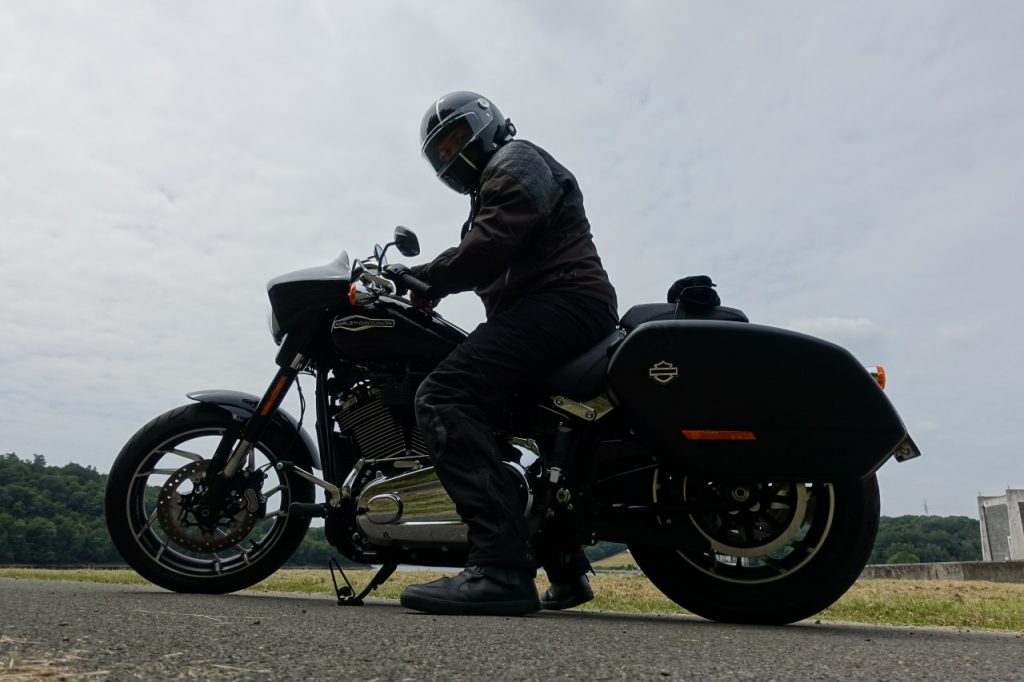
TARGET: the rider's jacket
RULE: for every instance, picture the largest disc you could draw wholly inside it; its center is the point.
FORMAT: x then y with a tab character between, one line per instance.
527	233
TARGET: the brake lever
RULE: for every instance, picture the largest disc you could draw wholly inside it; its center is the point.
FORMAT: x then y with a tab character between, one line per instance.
382	283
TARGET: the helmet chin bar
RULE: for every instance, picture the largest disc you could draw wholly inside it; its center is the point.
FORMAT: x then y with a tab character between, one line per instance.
461	175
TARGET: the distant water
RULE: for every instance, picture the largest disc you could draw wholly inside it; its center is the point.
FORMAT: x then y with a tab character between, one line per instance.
439	569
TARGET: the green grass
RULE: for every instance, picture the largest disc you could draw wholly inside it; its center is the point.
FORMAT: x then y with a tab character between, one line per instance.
964	605
960	604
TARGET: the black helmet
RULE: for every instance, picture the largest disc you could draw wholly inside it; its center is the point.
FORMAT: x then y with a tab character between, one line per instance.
459	133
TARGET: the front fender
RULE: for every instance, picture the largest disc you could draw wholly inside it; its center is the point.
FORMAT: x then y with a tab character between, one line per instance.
241	406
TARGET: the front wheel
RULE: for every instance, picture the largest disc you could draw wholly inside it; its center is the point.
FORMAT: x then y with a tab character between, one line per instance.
783	551
155	500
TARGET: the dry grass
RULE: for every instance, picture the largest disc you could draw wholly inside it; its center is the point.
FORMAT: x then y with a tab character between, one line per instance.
965	605
622	560
18	667
613	592
117	576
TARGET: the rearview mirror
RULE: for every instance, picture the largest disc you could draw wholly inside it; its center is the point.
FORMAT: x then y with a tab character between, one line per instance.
406	241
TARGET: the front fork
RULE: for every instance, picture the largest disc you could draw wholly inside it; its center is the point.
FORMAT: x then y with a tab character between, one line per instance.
257	423
233	454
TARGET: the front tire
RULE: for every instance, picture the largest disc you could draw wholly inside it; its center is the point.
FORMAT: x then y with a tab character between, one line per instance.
782	560
150	515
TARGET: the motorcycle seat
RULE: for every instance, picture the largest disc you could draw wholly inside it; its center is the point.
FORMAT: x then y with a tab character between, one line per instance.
585	376
649	312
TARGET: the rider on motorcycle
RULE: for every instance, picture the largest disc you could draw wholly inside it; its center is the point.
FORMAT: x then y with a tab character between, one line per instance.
527	251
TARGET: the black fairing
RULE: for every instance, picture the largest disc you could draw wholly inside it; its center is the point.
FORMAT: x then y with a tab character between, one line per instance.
814	410
392	330
300	294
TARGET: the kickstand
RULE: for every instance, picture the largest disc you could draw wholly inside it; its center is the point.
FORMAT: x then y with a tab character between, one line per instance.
347	595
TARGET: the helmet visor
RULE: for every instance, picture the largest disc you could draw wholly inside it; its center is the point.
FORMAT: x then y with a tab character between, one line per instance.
445	144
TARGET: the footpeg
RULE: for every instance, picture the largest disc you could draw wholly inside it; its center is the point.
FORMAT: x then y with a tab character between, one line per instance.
308	509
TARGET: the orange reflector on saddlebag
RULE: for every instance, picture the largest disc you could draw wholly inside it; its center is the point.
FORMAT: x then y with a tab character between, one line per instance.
704	434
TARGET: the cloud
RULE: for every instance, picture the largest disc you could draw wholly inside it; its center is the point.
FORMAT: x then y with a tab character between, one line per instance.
851	171
843	326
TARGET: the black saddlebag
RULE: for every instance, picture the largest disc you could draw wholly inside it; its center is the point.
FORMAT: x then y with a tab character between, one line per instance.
741	400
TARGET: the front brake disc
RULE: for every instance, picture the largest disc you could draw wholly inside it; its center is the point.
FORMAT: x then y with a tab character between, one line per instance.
177	513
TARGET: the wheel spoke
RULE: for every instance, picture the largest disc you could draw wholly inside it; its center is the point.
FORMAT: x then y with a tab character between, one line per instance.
773	564
159	472
242	552
184	453
145	527
774	524
273	491
739	525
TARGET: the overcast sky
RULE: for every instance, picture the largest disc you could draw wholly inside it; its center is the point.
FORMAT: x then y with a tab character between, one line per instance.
852	170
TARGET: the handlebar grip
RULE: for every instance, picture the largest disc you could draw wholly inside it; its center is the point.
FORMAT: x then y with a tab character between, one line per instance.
403	278
417	285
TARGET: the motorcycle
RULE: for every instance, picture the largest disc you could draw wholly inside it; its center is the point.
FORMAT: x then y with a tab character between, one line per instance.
736	461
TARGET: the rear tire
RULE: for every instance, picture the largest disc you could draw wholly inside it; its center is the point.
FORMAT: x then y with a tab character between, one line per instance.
817	555
148	513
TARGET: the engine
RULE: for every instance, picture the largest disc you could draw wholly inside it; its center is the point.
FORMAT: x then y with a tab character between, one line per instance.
380	422
399	499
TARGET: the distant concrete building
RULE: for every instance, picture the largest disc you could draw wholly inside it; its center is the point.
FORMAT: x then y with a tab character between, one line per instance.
1002	526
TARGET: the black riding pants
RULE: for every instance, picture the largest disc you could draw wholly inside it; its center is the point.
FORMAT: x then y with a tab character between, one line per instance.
457	404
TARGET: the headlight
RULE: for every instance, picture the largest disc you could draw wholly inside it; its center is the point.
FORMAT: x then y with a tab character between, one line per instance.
275	327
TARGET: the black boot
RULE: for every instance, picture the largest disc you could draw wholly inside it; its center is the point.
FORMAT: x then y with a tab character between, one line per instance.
478	590
567	594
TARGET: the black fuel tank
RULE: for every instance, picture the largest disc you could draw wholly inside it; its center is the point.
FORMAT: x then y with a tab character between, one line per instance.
392	330
783	404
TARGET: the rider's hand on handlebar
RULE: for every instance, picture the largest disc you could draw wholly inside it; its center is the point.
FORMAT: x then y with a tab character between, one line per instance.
395	272
419	292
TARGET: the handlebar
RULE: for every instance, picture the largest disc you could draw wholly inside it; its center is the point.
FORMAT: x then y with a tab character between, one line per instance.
401	276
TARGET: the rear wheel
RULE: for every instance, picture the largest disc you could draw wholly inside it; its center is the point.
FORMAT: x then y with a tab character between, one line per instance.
159	523
781	552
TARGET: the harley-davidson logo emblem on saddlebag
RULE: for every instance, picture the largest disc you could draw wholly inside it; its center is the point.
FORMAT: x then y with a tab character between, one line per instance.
663	372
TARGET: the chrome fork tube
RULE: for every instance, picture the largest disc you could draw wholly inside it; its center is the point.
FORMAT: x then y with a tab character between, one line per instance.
253	428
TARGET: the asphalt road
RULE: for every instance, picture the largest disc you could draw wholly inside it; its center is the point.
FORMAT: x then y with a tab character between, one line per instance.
109	632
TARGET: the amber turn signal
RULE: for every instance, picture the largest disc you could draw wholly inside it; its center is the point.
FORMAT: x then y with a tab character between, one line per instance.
878	374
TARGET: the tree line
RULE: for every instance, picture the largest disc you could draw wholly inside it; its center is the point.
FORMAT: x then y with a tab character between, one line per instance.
54	515
926	539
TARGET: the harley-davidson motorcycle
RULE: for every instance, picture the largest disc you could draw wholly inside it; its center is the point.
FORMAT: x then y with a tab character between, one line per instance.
736	461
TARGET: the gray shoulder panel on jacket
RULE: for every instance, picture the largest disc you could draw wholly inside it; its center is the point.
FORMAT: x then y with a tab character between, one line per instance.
522	163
